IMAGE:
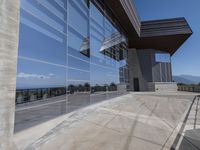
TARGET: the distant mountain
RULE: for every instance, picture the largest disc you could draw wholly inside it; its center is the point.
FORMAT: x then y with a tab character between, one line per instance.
187	79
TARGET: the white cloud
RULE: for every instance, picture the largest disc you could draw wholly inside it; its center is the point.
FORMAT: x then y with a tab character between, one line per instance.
51	74
32	76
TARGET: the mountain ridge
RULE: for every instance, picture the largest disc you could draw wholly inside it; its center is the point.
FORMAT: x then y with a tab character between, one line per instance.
186	79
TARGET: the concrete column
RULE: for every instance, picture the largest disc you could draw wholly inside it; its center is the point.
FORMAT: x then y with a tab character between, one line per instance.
135	70
9	29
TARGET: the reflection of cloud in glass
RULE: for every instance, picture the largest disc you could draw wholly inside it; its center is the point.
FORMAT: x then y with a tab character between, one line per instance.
162	57
51	74
33	76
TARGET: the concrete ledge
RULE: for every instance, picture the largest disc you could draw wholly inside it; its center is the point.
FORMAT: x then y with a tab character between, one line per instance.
162	86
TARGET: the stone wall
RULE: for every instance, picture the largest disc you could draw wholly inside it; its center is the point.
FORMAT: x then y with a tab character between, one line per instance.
9	29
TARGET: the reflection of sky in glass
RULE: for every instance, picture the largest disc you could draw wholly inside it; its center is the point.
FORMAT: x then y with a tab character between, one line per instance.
78	17
96	15
50	43
107	77
73	62
75	39
162	57
42	44
39	75
54	62
74	74
34	8
104	69
33	44
42	31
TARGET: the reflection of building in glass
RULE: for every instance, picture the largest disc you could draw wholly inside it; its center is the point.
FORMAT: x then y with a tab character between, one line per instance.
85	47
74	53
124	74
114	46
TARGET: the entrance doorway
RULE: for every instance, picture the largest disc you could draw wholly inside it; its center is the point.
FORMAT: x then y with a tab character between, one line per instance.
136	84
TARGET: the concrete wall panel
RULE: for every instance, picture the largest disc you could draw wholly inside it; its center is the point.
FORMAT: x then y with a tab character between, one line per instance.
9	29
170	86
135	70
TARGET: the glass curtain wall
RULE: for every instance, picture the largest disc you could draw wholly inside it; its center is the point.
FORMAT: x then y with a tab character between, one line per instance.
109	70
42	62
78	83
71	54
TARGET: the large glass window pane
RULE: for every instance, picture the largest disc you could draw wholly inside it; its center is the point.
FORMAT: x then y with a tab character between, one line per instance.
78	94
40	93
71	54
41	71
78	84
108	56
78	17
74	62
43	32
75	74
76	42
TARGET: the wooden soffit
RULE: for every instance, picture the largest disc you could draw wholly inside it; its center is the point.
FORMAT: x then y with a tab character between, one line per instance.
164	35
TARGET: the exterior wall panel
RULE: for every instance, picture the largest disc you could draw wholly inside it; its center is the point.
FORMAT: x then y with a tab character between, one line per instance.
9	14
135	71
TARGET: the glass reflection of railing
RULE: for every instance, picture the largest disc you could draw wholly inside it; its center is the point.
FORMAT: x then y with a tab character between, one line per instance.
104	88
36	94
78	88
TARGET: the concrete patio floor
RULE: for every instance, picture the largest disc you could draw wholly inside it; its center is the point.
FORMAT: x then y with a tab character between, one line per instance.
136	121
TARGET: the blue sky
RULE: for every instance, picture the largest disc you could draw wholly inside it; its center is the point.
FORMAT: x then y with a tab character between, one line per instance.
187	59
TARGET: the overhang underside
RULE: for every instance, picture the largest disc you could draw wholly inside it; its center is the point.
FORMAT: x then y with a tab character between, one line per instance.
164	35
169	43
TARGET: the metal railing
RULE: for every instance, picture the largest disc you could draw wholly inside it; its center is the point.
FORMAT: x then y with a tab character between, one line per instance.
189	88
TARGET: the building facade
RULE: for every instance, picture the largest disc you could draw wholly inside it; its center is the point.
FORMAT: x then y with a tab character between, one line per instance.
67	54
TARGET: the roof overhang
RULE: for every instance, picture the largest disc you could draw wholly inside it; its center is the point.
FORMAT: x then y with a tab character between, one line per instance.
164	35
126	15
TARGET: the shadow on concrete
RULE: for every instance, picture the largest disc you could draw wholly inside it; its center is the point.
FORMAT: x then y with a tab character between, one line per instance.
191	140
178	137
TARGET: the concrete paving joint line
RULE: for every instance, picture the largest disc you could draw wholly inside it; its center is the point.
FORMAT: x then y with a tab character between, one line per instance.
179	135
195	121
